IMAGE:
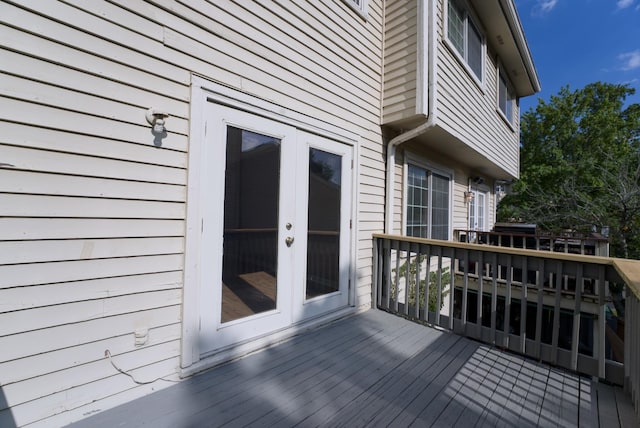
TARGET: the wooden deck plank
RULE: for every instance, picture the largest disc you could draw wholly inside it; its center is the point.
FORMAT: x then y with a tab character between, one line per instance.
352	392
628	418
426	406
376	369
381	405
607	409
317	381
588	416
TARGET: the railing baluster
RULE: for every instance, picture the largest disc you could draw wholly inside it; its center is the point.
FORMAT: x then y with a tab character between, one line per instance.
452	284
507	303
407	275
425	298
439	287
575	334
479	265
417	284
540	275
556	313
397	279
523	307
465	288
601	323
494	296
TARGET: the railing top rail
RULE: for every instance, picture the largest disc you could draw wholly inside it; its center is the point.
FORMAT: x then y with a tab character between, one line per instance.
545	235
629	270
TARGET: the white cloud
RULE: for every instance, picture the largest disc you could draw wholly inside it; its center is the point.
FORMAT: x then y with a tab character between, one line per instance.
545	6
630	60
623	4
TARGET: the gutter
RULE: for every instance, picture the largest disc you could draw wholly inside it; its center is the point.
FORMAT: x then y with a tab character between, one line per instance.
425	15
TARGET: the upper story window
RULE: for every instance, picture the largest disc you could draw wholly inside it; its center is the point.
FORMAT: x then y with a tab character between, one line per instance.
506	100
359	6
464	36
427	202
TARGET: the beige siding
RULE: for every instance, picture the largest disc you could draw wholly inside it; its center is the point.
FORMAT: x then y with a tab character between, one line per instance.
400	61
469	111
92	210
460	210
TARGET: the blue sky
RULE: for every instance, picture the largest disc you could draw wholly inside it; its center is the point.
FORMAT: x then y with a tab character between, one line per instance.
577	42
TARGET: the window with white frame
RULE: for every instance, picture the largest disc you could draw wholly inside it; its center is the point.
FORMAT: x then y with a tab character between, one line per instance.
506	99
359	6
465	36
427	203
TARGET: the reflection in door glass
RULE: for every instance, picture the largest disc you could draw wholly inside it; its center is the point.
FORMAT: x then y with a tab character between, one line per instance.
250	250
323	235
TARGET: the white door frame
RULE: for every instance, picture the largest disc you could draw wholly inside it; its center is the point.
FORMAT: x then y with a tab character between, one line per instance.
304	308
202	92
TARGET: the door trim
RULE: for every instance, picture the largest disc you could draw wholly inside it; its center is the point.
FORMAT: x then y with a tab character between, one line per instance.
202	92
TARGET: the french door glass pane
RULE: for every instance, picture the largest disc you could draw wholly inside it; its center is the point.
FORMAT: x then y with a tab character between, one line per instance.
440	207
250	242
323	234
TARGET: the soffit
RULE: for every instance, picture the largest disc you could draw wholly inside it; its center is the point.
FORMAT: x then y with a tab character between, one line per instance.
506	37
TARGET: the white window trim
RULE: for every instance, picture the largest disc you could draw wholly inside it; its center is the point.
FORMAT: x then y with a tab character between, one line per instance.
454	50
509	121
362	9
419	161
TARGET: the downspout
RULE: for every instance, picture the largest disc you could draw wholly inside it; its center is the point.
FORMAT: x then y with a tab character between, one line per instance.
426	15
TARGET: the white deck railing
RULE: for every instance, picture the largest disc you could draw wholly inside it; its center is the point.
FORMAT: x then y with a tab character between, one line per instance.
574	311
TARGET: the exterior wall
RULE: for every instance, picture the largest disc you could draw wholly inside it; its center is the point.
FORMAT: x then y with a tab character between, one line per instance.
465	109
459	209
400	59
469	111
92	209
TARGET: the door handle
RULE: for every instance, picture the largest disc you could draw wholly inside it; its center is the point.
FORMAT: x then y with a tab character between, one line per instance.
288	240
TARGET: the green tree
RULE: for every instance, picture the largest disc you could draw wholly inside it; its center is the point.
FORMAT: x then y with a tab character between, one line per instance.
580	165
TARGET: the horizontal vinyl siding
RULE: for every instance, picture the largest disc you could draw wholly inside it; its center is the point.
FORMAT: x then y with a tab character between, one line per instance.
400	61
469	112
92	209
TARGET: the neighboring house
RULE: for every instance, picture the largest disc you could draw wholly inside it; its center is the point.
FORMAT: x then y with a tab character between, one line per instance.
141	138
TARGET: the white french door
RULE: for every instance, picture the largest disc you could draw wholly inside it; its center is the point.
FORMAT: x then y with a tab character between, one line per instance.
275	226
324	207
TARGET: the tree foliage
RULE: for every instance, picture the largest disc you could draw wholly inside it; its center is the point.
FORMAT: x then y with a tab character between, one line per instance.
580	165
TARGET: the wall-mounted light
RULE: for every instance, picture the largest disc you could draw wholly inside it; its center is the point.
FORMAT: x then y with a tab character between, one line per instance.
156	118
468	197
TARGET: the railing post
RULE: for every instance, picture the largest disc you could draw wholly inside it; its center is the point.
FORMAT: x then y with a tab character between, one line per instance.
375	274
387	272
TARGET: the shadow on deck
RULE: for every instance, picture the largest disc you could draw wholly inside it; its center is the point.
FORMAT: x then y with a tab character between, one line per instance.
376	369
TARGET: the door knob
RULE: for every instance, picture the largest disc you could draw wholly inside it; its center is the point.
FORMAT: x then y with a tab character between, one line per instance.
288	241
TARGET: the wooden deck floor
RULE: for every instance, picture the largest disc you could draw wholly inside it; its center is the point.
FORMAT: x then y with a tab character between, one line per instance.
376	369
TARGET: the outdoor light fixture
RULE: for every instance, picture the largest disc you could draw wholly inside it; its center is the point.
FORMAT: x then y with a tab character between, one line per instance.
468	197
156	118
